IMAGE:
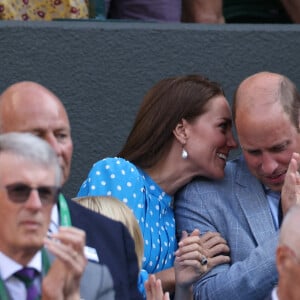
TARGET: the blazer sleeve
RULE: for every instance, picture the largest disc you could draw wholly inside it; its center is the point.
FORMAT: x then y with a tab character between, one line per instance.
250	278
96	283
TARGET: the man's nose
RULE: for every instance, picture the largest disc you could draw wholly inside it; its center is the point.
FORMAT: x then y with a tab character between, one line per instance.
52	140
33	202
268	163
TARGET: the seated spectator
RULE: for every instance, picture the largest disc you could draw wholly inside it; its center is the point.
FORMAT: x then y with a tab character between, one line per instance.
182	130
117	210
248	204
30	107
243	11
288	258
113	208
30	178
153	11
43	10
260	11
144	10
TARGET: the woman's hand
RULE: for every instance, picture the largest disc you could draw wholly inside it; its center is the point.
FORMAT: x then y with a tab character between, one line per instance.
198	254
215	248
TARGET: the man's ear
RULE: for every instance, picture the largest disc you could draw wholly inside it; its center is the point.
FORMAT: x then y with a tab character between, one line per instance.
282	255
180	131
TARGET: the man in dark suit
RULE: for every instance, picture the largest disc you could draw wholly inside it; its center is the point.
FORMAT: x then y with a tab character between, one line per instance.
30	107
30	179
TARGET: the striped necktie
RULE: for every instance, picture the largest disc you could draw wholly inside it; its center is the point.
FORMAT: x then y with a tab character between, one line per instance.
27	276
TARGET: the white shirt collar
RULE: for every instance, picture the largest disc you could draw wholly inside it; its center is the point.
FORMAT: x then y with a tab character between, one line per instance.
274	294
8	266
53	227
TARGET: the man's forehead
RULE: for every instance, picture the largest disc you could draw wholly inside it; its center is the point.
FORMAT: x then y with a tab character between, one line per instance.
33	115
27	168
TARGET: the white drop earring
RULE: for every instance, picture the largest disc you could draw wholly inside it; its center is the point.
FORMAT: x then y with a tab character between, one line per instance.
184	154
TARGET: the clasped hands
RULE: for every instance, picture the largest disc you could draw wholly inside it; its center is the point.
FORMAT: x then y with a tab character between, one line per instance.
188	267
62	281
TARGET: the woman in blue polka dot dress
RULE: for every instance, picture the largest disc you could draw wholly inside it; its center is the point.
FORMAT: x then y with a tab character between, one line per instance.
182	130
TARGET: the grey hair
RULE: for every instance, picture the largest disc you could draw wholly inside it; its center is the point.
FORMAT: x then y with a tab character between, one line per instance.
32	148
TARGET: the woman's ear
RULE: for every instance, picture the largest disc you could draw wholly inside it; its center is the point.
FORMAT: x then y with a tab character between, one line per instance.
180	131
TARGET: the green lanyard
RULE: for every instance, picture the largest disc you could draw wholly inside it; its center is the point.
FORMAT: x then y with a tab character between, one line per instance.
45	268
64	213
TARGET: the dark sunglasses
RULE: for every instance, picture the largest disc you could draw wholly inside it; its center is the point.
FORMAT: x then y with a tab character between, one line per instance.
19	193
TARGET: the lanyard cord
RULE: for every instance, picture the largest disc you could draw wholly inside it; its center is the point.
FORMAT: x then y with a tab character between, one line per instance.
64	212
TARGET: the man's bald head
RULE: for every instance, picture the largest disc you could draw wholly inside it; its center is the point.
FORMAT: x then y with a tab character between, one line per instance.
259	93
266	111
30	107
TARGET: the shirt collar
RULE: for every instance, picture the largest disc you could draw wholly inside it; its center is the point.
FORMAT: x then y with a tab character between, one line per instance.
274	294
8	266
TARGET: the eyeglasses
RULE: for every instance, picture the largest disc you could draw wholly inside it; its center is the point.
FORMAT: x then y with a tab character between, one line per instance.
19	193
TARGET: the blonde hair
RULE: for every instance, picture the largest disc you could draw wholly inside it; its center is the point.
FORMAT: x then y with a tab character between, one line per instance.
117	210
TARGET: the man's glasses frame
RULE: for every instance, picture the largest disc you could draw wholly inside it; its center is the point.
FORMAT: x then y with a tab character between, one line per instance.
20	192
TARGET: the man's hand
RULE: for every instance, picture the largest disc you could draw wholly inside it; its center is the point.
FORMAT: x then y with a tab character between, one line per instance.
290	193
63	279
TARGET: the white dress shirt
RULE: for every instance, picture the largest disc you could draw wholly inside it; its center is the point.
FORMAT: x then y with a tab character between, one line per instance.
274	294
8	267
273	199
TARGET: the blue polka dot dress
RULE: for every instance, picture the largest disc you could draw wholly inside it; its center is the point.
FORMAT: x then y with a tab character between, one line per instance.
119	178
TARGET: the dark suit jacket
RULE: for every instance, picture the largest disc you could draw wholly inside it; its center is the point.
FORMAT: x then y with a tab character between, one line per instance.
114	246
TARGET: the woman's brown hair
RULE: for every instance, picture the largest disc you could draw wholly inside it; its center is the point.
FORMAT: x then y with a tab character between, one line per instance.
163	107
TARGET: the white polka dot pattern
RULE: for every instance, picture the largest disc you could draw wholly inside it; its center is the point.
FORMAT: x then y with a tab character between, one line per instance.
150	204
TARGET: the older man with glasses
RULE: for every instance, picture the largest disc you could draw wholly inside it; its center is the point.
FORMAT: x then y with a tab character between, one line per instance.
30	107
30	179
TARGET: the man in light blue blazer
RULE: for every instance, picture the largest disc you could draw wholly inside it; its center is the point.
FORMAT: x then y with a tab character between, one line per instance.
244	207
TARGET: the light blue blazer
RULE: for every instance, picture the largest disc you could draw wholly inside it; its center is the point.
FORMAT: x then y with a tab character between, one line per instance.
238	209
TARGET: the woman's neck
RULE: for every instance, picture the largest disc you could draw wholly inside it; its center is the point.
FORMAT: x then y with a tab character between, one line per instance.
170	175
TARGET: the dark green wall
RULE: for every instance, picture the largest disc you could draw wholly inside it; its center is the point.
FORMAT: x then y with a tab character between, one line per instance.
101	70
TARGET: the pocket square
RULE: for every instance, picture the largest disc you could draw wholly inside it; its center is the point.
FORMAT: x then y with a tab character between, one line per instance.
91	254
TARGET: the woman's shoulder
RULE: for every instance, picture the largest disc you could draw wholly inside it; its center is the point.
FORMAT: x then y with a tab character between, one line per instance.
112	176
112	166
114	163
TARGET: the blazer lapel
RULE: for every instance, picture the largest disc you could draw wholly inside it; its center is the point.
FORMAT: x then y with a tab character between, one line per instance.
254	204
